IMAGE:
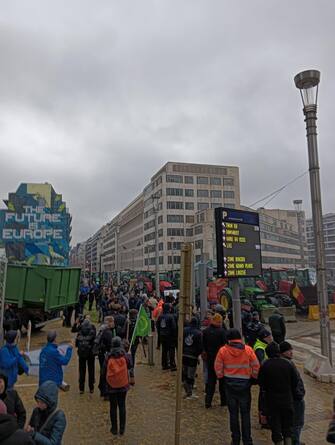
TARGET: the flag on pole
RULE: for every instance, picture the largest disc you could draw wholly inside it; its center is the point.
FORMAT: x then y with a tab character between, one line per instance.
142	326
296	293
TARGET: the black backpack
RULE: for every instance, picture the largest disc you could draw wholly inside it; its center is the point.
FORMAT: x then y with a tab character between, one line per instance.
84	345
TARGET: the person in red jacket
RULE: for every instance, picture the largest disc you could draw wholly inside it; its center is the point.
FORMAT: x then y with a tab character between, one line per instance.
237	364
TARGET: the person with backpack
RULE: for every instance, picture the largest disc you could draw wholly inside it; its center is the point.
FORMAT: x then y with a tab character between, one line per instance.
84	343
102	346
192	348
47	423
167	329
116	376
121	323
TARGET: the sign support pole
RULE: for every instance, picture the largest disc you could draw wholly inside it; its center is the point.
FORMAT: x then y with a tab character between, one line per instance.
236	305
203	289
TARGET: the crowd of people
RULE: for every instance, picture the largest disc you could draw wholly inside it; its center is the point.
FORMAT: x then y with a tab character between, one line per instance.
258	356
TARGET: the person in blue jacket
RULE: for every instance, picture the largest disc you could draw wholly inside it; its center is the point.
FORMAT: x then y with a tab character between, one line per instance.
47	423
11	359
51	361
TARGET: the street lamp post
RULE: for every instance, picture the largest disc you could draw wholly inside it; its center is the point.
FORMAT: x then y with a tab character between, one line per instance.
308	84
155	199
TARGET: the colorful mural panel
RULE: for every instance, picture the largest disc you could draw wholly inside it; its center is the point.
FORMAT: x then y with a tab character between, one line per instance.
36	226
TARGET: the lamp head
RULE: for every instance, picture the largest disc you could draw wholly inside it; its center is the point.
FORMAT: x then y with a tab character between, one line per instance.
308	84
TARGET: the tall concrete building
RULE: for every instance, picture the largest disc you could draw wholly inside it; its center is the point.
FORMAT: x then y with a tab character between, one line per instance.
182	190
329	239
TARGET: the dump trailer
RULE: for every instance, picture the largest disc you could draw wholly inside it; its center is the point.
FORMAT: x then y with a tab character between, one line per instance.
38	293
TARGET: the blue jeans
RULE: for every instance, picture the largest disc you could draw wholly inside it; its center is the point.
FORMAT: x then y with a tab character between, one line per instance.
239	403
298	421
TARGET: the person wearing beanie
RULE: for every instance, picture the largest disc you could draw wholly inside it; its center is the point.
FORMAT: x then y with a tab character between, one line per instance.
237	364
52	361
264	338
9	432
253	328
192	348
278	380
116	377
11	359
12	401
286	351
214	336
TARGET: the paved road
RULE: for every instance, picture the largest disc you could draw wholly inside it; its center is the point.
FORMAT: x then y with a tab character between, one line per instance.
151	410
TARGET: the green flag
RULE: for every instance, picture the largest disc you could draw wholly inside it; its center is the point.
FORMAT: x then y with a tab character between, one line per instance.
143	325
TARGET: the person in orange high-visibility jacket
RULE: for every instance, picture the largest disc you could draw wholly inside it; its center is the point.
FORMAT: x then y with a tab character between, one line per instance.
237	364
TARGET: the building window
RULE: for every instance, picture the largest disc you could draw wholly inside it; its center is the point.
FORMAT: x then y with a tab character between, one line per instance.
228	181
202	193
189	192
160	219
216	194
199	244
174	192
175	218
200	218
203	205
174	205
202	180
160	246
161	260
189	205
215	181
160	233
214	205
197	230
175	232
189	219
174	178
188	179
229	206
175	245
174	259
228	194
189	232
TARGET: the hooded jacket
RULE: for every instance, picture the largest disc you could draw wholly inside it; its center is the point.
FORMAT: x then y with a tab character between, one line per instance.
10	359
49	425
51	362
166	324
237	363
10	434
14	404
192	342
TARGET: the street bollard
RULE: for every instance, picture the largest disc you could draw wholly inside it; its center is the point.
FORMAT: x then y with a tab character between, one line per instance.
151	350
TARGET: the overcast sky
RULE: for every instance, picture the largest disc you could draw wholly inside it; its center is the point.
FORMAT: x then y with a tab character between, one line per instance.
95	96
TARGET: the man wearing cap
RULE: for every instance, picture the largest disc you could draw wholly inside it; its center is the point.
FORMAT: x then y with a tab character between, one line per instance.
214	336
11	359
286	351
278	378
51	361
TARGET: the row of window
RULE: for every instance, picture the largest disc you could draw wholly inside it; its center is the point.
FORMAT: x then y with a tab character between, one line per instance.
200	180
201	193
279	260
278	249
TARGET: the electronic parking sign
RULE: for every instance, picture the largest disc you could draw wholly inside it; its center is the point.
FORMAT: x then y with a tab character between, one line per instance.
238	243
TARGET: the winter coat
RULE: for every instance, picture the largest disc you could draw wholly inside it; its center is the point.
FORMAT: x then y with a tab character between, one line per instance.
166	325
51	362
192	344
14	404
85	339
49	425
278	378
277	325
213	338
10	434
10	359
238	364
116	353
